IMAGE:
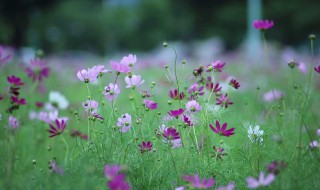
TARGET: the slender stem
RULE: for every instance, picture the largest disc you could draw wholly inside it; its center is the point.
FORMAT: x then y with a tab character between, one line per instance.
65	142
265	51
175	72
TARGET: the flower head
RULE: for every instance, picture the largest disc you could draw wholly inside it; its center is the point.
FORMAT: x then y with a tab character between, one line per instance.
222	130
218	66
276	166
150	104
145	146
87	76
234	83
176	113
99	70
110	171
59	129
187	119
255	134
272	95
18	101
314	144
175	95
262	24
125	122
58	100
120	67
196	182
76	133
171	133
261	181
55	168
218	152
16	81
38	69
223	100
134	81
90	106
13	122
118	183
211	87
130	60
196	90
193	106
111	91
317	69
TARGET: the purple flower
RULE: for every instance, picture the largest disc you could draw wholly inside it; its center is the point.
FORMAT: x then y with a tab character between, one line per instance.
222	130
272	95
111	91
16	81
276	166
187	119
261	181
124	122
54	168
87	76
193	106
211	87
223	100
262	24
99	69
130	60
58	130
90	106
18	101
120	67
38	69
197	183
230	186
171	134
134	81
145	94
234	83
145	146
218	152
118	183
198	71
318	132
13	122
110	171
176	113
196	90
317	69
150	104
314	144
175	95
97	116
218	65
5	56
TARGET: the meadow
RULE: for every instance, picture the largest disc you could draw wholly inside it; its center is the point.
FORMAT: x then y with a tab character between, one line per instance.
119	124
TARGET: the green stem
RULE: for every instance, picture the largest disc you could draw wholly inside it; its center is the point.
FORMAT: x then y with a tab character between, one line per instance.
65	142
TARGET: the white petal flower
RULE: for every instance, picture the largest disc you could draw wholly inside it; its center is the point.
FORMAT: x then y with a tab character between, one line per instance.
58	100
255	134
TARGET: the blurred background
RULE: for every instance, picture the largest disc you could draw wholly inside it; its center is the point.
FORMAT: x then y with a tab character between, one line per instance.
108	26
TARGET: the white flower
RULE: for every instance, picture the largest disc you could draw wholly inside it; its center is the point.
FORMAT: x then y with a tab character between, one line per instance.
255	134
58	100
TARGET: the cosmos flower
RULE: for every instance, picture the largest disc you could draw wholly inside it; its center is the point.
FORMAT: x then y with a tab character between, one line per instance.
262	24
314	144
110	171
111	91
213	87
255	134
222	130
76	133
234	83
223	100
218	152
187	119
124	122
90	106
18	101
193	106
150	104
55	168
261	181
218	66
58	130
120	67
134	81
118	183
172	137
176	113
129	60
58	100
276	166
175	95
196	90
38	69
145	146
16	81
13	122
197	183
87	76
317	69
273	95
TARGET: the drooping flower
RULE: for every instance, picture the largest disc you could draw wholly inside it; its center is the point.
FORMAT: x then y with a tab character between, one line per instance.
18	101
120	67
230	186
261	181
58	100
193	106
145	94
150	104
262	24
38	69
5	55
145	146
222	130
218	66
125	122
197	183
223	100
97	116
13	122
176	113
255	134
16	81
59	129
276	166
55	168
272	95
111	91
234	83
134	81
129	60
90	106
175	95
317	69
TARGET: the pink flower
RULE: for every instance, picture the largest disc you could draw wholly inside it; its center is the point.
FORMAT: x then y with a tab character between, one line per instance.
317	69
110	171
16	81
54	168
150	104
314	144
13	122
58	130
18	101
111	91
196	90
134	81
90	106
223	100
87	76
5	56
218	65
272	95
118	183
193	106
187	119
230	186
120	67
145	146
76	133
100	69
130	60
175	95
261	181
222	130
38	69
125	122
262	24
234	83
176	113
196	182
211	87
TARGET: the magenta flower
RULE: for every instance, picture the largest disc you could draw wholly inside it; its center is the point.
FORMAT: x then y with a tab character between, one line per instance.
59	129
272	95
13	122
16	81
118	183
223	100
90	106
18	101
120	67
145	146
218	152
222	130
230	186
193	106
1	97
54	168
130	60
38	69
134	81
197	183
176	113
175	95
317	69
218	66
125	122
211	87
187	119
150	104
87	76
5	56
262	24
111	91
234	83
110	171
171	134
198	71
196	90
261	181
276	166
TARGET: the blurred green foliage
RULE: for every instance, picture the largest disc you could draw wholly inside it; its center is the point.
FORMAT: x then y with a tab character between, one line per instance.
104	27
